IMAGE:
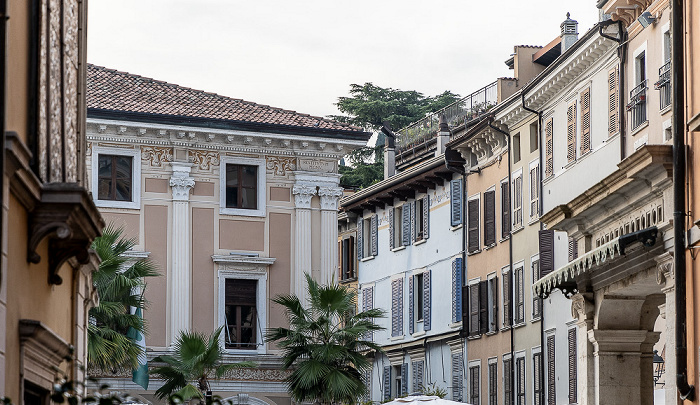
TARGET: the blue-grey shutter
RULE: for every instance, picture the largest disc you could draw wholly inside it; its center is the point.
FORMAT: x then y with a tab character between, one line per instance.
411	316
417	367
374	235
397	307
426	301
367	381
406	224
391	228
426	217
457	378
456	202
387	383
457	289
404	379
414	234
360	239
367	304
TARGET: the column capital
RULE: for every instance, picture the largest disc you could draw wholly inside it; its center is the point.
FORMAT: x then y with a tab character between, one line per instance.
329	197
180	181
303	194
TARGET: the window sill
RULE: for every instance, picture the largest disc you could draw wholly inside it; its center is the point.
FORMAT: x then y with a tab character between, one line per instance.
456	228
516	230
242	212
666	109
364	259
420	242
473	252
418	334
534	220
505	328
129	205
395	338
474	337
455	325
504	239
490	246
519	325
641	126
491	333
348	280
534	320
398	249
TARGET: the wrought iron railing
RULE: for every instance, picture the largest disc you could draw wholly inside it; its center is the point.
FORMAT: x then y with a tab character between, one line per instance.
664	85
458	113
638	104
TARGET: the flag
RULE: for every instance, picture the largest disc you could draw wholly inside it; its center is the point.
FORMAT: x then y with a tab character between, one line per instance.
139	375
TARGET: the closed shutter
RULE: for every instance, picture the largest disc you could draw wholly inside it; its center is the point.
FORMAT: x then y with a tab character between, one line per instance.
411	315
473	225
474	309
474	390
489	218
466	309
519	296
505	210
493	321
585	121
367	304
456	201
507	304
507	381
493	383
360	239
613	103
546	252
397	307
414	233
392	231
387	383
484	306
404	379
520	368
537	377
534	191
573	249
536	301
518	201
551	382
417	376
457	378
374	235
571	132
426	217
426	301
549	147
572	366
457	289
406	224
367	381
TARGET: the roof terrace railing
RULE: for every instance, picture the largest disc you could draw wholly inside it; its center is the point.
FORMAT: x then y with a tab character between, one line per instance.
460	112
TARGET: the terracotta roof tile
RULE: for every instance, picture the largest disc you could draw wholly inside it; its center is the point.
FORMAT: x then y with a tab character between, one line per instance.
109	89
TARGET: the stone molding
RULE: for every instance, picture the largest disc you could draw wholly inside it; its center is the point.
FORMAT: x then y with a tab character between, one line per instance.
156	155
203	159
329	197
303	194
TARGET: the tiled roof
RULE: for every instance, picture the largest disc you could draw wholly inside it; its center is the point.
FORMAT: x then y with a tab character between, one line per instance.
112	90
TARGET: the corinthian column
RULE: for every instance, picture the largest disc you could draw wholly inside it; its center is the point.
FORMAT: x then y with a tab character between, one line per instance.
180	274
329	231
302	231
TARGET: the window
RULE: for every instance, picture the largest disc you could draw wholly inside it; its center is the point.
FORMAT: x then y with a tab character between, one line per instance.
490	217
505	209
421	218
240	314
516	148
534	138
519	295
474	384
473	224
457	377
585	121
116	178
520	380
35	395
517	199
507	294
536	301
400	381
638	104
537	377
396	224
551	376
419	302
418	297
534	190
347	258
242	186
664	83
493	381
493	303
481	310
507	380
367	237
572	365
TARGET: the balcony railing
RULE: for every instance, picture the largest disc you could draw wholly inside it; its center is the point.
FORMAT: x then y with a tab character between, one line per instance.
664	85
638	104
460	112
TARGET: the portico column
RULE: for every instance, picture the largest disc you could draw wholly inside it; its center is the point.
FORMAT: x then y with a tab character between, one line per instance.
666	278
583	308
302	243
329	231
180	274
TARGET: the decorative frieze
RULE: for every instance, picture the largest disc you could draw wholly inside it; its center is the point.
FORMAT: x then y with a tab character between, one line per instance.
280	165
203	159
156	155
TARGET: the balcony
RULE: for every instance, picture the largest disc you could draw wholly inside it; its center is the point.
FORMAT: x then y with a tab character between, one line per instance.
638	105
664	85
419	136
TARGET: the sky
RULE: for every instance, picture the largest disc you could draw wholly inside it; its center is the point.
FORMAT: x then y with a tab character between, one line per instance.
303	54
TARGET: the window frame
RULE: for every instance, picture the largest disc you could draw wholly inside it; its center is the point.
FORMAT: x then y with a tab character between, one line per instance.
520	390
261	186
517	174
535	259
260	307
518	278
135	154
474	364
491	361
537	352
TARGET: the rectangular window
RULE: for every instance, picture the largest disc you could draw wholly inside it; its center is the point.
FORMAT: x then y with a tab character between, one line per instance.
493	383
536	301
519	295
572	366
474	384
516	148
347	258
240	313
457	285
551	376
397	237
474	309
537	377
534	190
481	307
367	236
507	304
507	380
399	387
637	104
418	297
505	209
490	218
418	225
534	138
520	380
473	224
241	186
518	199
115	177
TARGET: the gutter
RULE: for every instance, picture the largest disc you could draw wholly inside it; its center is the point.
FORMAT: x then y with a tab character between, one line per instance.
3	74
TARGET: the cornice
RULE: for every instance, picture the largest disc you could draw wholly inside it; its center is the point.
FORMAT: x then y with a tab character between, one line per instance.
240	259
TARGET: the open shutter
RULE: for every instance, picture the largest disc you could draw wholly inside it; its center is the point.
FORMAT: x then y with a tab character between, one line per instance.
489	218
457	289
426	301
417	376
573	249
507	379
613	103
375	221
367	381
518	201
411	307
395	285
406	224
414	233
536	301
572	366
551	382
404	379
546	252
474	309
507	296
352	265
549	147
457	377
392	231
473	225
466	314
493	321
505	210
571	132
387	383
520	364
534	191
483	306
360	239
456	201
426	217
493	384
586	121
367	304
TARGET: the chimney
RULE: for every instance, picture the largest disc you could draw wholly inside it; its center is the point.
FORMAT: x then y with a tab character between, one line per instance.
569	33
389	154
443	136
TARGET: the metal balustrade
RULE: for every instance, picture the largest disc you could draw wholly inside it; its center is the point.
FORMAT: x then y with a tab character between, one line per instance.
638	105
664	85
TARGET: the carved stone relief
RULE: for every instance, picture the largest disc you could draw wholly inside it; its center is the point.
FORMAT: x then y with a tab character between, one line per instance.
156	155
203	159
280	165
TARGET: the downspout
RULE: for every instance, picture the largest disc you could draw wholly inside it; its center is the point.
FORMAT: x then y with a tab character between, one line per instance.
622	55
685	390
3	74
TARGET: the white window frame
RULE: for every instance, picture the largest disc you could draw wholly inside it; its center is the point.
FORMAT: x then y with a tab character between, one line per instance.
535	258
534	164
519	266
398	226
637	52
665	29
514	177
367	237
506	357
477	364
490	361
504	272
491	278
135	154
260	306
261	190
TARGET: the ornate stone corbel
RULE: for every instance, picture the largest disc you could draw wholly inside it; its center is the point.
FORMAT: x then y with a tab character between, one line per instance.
582	306
664	269
303	194
101	128
162	133
329	197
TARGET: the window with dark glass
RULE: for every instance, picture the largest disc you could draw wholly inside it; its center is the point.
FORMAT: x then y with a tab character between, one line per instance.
242	186
115	177
240	314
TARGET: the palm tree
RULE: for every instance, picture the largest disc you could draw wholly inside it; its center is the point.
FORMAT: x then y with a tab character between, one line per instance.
120	284
325	343
195	357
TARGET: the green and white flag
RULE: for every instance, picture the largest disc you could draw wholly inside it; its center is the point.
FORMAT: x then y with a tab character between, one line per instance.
139	375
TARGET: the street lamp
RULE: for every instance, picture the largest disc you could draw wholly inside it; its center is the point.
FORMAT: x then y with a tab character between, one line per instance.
659	368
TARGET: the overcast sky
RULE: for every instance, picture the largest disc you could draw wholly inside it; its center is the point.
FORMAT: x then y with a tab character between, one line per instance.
302	55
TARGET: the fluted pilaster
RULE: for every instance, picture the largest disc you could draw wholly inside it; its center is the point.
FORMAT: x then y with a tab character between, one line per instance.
329	231
302	251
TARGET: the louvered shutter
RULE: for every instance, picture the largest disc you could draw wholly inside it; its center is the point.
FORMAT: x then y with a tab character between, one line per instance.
493	322
493	383
572	366
426	217
426	301
507	295
537	377
406	224
585	121
456	201
474	385
387	383
507	380
395	307
534	191
404	379
573	249
520	367
392	231
546	252
505	210
519	296
457	289
360	239
473	225
518	201
414	214
551	377
571	132
367	304
613	103
489	218
483	306
411	306
474	309
536	301
549	147
375	222
367	381
457	377
417	376
352	265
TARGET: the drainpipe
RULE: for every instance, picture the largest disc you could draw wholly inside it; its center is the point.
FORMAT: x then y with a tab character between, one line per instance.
3	70
685	390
